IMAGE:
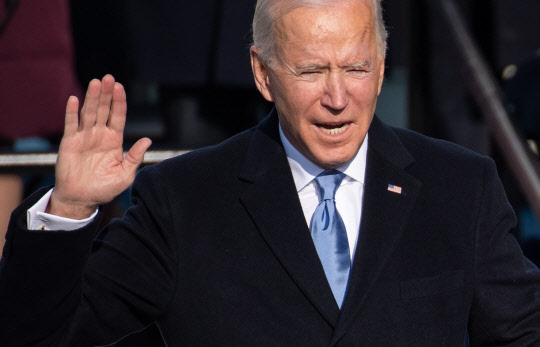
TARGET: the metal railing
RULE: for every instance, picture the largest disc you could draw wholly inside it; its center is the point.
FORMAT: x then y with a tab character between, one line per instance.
17	163
487	94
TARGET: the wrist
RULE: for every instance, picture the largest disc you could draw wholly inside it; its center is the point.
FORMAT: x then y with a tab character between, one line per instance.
69	209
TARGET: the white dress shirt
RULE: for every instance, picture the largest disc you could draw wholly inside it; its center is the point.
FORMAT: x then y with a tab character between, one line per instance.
37	219
348	196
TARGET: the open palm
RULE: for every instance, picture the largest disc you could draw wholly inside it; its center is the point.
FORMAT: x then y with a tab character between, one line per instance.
91	169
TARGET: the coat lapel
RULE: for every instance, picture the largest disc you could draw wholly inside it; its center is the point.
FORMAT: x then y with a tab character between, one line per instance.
271	199
385	214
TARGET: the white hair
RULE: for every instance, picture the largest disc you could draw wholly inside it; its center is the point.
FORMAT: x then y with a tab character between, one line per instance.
267	12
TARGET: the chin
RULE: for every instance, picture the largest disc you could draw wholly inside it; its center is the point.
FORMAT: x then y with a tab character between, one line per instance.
330	163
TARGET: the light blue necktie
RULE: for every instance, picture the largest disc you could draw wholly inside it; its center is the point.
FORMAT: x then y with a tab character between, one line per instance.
329	235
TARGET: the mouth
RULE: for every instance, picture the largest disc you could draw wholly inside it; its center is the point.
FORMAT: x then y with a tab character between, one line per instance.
333	129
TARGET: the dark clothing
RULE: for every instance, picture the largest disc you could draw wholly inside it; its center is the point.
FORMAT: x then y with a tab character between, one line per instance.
522	101
215	53
217	251
36	69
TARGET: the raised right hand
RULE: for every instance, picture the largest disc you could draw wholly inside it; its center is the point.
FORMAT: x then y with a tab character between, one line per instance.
91	169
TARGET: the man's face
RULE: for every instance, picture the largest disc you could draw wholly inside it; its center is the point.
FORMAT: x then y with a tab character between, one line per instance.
325	79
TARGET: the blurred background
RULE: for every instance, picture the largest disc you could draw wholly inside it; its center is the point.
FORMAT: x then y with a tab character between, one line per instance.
185	66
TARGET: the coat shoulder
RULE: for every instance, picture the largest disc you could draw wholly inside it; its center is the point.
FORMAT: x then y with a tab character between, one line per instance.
421	146
202	164
442	162
442	155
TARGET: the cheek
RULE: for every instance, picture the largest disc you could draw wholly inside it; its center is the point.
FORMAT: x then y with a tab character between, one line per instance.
299	99
306	98
365	91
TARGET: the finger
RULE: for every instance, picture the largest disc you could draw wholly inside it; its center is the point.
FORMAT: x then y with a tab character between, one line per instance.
91	102
117	119
72	116
105	97
135	156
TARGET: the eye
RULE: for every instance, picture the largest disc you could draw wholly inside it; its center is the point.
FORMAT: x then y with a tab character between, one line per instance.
358	72
310	75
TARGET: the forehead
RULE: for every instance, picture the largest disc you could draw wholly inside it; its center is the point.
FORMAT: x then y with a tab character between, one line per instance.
344	22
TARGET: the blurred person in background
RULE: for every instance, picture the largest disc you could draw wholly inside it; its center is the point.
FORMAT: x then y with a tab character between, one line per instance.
37	75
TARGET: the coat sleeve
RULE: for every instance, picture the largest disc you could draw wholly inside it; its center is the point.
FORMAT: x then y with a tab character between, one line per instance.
70	288
506	305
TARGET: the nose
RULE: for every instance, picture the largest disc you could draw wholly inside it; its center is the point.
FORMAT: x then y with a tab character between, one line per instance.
335	94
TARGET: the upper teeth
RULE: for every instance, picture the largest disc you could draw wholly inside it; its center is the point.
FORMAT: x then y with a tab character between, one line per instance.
334	131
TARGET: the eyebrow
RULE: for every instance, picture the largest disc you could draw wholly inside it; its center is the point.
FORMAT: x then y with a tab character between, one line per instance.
366	64
310	67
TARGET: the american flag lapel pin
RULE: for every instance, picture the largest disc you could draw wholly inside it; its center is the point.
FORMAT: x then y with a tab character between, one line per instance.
394	189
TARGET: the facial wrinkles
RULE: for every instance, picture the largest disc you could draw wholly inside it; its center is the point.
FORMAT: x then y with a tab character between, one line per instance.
320	46
334	52
325	114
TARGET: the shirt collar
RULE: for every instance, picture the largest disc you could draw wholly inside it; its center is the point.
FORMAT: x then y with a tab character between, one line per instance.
304	171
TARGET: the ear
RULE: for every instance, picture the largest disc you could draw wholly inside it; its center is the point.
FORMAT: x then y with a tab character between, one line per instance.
260	73
381	76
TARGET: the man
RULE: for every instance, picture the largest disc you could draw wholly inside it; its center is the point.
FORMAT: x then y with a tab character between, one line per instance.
321	226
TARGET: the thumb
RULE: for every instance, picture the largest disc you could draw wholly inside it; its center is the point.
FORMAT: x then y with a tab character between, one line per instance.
135	156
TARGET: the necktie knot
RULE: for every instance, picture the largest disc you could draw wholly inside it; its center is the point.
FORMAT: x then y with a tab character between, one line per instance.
328	183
